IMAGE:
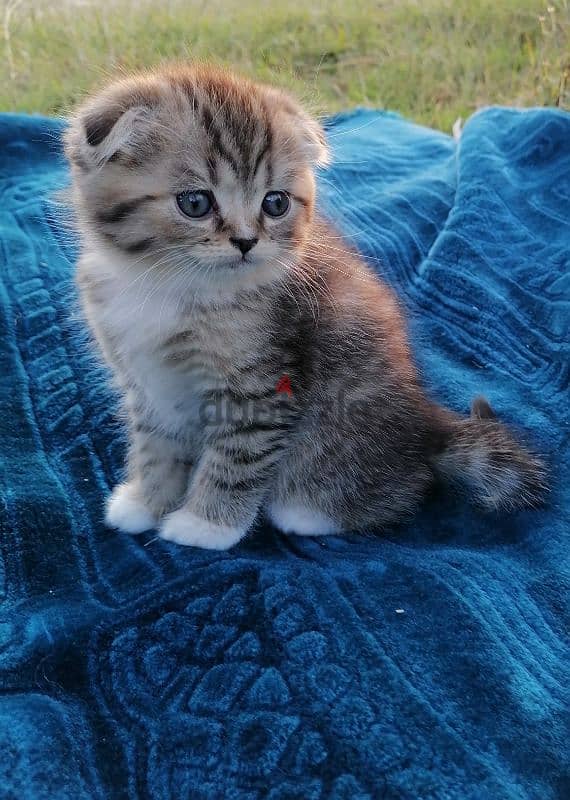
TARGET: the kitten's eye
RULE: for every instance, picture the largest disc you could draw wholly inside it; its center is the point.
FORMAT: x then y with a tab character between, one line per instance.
275	204
194	204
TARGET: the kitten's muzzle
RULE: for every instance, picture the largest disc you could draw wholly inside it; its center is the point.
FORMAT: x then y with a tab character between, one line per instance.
244	245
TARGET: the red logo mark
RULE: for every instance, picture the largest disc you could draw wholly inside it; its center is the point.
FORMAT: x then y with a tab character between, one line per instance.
283	386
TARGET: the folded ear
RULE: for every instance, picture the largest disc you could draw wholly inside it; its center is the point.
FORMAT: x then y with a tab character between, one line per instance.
111	125
99	124
309	134
314	141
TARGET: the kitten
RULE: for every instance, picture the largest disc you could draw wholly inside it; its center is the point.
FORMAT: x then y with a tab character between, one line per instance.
263	366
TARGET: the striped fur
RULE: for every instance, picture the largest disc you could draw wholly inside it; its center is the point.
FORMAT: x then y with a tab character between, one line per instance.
278	380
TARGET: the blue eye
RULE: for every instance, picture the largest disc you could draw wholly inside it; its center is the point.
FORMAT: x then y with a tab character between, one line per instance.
275	204
194	204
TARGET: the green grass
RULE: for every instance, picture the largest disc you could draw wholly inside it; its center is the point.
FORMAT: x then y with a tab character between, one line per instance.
432	60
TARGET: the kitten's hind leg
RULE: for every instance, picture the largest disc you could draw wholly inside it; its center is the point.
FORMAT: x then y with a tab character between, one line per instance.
158	472
302	520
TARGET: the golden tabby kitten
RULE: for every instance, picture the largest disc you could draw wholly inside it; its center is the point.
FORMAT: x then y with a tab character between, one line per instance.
263	369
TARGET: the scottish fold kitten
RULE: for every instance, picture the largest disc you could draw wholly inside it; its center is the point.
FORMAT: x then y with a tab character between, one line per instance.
264	368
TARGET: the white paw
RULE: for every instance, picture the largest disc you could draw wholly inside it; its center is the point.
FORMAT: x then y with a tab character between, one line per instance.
187	528
126	510
301	520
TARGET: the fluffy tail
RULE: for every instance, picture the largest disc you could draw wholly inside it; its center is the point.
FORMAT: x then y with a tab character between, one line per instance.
482	455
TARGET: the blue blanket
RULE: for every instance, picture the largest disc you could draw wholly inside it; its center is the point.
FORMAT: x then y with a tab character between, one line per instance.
431	663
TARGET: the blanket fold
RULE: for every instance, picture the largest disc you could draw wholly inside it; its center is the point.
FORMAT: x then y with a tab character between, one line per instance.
430	663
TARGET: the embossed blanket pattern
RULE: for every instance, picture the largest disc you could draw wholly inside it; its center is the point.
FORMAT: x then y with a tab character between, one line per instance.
429	663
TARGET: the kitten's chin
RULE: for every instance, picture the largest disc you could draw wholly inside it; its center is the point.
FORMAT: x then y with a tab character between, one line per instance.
224	279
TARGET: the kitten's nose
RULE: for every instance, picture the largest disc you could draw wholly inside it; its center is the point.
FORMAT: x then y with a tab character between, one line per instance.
244	245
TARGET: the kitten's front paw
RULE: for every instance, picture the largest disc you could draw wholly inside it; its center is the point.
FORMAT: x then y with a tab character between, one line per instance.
127	511
187	528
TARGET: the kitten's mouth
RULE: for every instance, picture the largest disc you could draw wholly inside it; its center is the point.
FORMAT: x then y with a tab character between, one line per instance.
241	261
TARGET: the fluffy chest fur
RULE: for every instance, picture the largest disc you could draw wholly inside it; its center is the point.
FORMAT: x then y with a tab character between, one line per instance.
170	354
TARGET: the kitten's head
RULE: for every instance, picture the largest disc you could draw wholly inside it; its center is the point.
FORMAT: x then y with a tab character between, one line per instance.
194	168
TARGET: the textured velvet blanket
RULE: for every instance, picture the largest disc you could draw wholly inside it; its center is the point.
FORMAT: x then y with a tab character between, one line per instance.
429	663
